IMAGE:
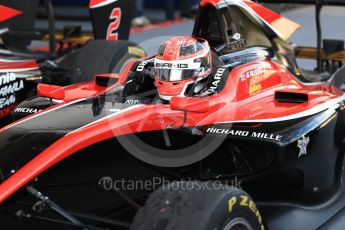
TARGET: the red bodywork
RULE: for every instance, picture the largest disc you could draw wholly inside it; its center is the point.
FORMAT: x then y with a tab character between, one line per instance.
8	13
7	66
98	3
234	105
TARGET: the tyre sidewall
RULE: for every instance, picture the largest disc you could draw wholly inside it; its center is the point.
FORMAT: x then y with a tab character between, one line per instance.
235	205
99	57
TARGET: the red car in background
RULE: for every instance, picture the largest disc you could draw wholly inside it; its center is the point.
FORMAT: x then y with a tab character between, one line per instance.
60	62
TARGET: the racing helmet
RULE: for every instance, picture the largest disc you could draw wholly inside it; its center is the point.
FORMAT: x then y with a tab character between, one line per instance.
181	63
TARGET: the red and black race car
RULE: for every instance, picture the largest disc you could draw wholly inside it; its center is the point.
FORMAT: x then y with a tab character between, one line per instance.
67	58
207	118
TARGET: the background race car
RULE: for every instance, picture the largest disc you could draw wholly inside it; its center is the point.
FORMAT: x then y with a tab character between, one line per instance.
62	61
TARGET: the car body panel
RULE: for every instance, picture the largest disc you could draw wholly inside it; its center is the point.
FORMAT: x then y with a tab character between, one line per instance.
102	118
7	66
8	13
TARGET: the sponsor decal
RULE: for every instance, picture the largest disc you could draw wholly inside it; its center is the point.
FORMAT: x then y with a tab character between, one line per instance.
141	66
302	145
255	88
217	78
26	110
9	85
7	78
7	101
231	132
172	65
172	51
252	73
136	51
11	88
245	202
249	134
179	64
132	102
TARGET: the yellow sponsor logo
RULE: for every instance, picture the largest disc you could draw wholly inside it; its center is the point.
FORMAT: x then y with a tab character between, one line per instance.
255	88
136	51
245	201
231	203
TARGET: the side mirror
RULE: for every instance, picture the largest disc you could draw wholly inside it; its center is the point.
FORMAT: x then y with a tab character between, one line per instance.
51	91
189	104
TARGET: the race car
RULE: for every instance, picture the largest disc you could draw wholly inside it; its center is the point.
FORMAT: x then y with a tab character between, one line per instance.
224	122
64	61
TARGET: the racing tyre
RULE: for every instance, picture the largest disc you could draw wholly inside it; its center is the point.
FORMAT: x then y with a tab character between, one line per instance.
100	56
197	205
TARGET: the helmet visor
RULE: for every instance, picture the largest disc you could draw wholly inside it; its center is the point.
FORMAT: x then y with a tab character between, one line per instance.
176	74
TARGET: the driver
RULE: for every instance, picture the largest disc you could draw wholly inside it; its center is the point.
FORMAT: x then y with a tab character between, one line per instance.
182	67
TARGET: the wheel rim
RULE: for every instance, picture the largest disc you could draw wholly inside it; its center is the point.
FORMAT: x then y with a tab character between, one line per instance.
238	224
